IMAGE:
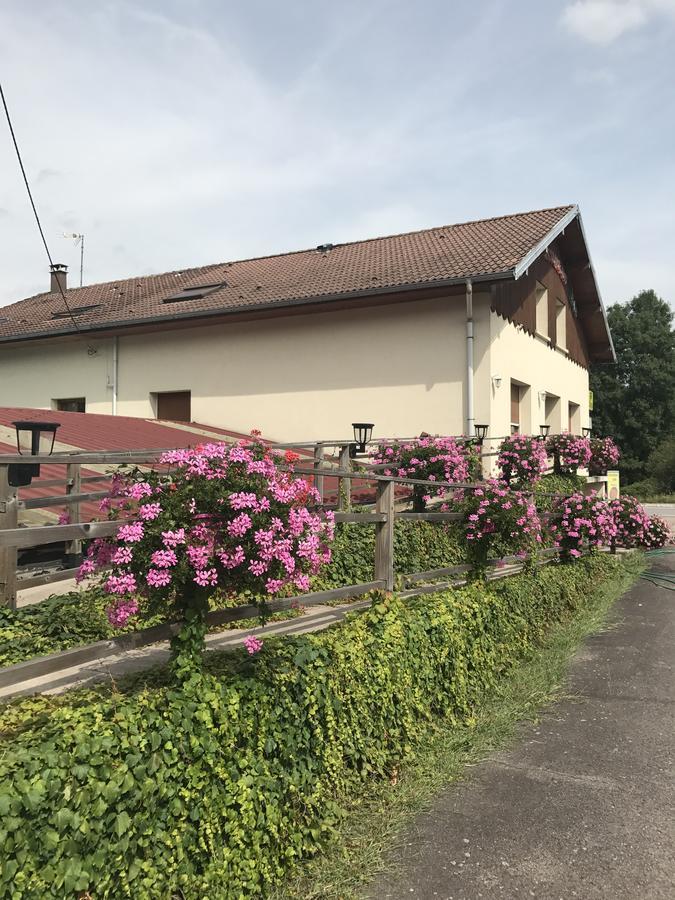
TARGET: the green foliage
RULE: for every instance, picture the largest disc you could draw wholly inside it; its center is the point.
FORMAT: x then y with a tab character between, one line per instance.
555	484
634	400
418	547
217	786
661	465
55	624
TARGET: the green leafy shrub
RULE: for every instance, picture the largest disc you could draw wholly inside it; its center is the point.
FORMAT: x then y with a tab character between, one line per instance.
418	547
552	484
217	787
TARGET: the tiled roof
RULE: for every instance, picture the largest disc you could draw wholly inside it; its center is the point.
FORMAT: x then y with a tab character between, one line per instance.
483	248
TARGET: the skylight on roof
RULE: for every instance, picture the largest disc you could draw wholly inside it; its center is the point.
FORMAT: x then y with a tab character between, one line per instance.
194	293
74	311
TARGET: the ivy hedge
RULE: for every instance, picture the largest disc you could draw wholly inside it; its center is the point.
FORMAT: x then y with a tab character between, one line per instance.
218	786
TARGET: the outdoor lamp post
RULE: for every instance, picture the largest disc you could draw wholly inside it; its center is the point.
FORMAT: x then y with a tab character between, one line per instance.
32	439
587	431
481	432
544	430
363	431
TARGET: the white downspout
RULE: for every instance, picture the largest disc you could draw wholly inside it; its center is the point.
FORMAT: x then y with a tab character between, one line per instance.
114	374
470	418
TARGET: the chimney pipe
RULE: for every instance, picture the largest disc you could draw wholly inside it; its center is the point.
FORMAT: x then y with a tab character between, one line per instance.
59	278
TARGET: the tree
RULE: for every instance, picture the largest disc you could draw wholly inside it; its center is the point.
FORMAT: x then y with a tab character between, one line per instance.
634	400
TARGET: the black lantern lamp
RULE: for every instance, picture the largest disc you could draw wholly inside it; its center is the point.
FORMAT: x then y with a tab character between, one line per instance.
363	431
544	430
32	439
481	433
587	432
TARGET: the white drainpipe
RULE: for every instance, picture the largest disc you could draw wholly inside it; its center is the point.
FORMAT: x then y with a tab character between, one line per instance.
470	418
114	375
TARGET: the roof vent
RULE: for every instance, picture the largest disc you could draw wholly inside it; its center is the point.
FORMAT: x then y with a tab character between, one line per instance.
194	293
325	248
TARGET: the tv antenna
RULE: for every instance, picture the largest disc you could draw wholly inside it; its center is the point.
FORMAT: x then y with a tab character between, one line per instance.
79	239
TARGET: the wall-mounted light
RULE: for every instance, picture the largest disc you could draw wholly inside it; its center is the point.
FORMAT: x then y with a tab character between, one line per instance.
587	432
544	430
363	431
496	381
32	439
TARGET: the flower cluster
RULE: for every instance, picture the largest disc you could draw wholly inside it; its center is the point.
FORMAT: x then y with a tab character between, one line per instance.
570	452
657	534
253	644
522	458
499	520
631	521
580	520
429	459
225	515
604	455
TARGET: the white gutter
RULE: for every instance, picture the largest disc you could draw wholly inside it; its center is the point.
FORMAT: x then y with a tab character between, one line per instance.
115	357
470	418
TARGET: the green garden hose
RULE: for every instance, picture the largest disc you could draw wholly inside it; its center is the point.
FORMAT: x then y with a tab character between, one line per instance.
660	579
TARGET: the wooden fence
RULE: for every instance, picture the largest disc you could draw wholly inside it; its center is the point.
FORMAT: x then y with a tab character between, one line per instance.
327	462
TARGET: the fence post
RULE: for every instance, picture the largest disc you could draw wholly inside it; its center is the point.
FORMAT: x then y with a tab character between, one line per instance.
318	461
73	486
9	515
345	484
384	535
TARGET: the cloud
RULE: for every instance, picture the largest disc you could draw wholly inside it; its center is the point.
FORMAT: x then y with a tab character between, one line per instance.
604	21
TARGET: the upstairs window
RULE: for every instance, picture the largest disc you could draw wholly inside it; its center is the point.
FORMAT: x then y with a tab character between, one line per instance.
515	407
560	325
541	298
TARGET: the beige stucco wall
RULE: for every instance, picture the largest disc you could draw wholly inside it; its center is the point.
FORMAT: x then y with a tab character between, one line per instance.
307	377
33	374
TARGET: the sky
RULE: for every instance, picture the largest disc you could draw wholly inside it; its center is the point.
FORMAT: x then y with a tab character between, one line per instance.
180	133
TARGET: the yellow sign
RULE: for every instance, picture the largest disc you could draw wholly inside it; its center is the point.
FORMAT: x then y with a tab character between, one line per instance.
590	401
613	486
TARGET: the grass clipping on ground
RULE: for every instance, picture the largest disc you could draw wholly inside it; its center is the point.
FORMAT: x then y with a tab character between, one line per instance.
376	820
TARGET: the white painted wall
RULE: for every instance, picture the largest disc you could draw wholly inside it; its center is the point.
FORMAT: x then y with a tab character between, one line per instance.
307	377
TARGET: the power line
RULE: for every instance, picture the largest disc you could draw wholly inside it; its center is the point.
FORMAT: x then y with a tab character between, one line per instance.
35	212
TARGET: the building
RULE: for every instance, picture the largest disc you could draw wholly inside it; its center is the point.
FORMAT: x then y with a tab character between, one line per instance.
492	322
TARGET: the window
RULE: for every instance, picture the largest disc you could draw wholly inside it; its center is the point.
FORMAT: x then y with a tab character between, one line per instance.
194	293
560	325
552	413
515	407
173	406
541	297
69	404
574	418
74	311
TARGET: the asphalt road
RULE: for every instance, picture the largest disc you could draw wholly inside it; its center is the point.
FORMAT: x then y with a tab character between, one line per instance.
584	806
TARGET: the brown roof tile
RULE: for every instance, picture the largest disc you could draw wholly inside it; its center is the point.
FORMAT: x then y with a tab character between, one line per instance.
482	248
